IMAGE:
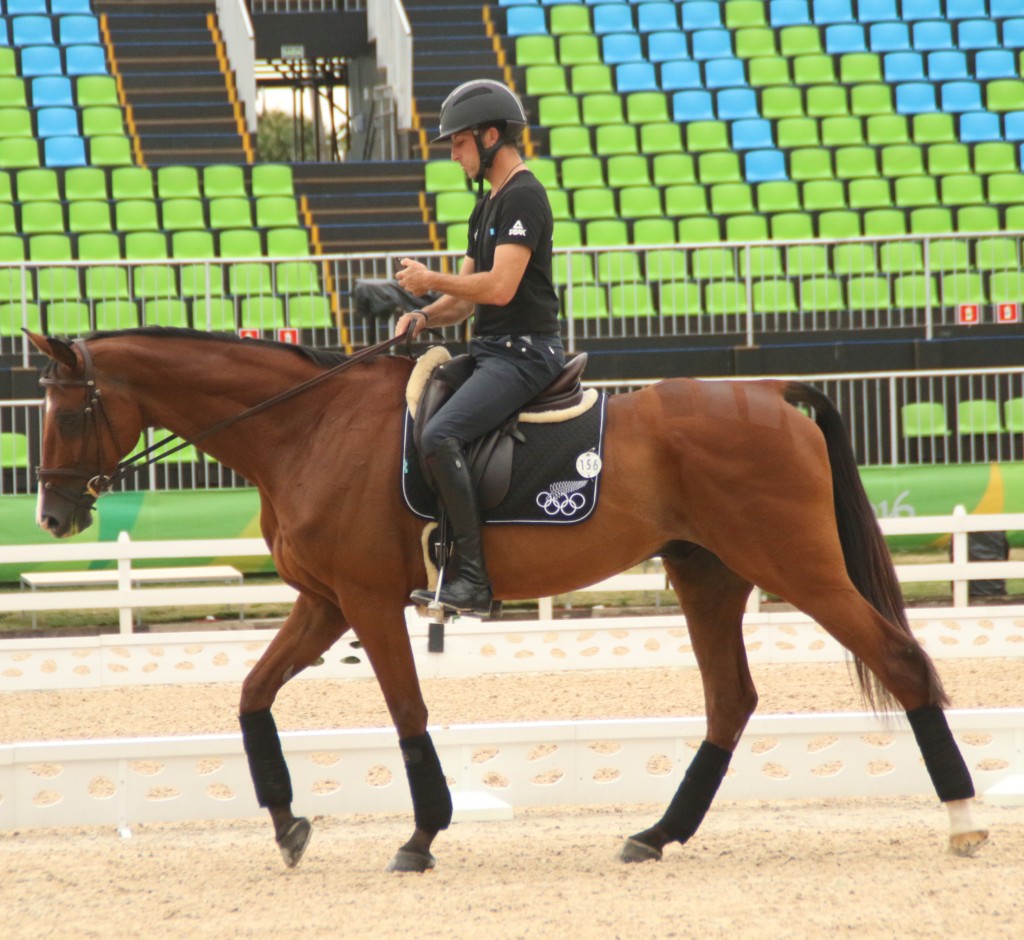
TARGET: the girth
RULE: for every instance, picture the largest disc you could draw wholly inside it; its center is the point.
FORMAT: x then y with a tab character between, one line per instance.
490	456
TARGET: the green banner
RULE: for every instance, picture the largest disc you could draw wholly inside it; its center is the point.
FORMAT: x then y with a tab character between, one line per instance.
895	492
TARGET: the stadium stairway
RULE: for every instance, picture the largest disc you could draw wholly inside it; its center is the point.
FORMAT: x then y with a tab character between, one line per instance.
171	63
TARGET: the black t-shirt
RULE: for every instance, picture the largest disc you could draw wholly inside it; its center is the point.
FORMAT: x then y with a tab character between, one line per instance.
521	215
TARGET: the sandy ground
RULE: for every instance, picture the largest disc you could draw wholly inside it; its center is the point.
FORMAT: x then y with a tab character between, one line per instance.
799	869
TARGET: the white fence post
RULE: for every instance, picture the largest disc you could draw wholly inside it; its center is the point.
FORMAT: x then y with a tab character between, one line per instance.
961	593
124	583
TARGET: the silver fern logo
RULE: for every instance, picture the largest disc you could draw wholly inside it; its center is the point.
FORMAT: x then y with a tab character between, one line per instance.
563	499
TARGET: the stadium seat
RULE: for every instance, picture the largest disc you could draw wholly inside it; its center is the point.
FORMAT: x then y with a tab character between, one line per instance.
102	119
154	281
628	170
994	63
55	122
978	416
109	150
661	138
680	298
84	60
699	14
768	70
961	190
85	183
671	168
698	231
525	21
932	35
725	298
823	294
679	74
980	126
667	46
570	141
145	246
814	70
67	318
272	179
289	242
106	282
168	311
180	214
903	67
78	29
870	194
309	311
262	312
136	215
87	215
656	17
617	48
64	151
634	76
792	226
924	419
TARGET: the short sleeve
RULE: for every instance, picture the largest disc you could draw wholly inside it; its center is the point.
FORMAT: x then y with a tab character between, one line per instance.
521	219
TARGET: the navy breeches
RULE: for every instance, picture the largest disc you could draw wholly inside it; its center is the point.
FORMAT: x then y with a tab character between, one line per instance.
509	371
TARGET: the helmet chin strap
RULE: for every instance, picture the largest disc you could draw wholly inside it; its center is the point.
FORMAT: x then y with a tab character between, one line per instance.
487	155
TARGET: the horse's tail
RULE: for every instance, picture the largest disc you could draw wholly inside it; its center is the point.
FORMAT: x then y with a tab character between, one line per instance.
868	562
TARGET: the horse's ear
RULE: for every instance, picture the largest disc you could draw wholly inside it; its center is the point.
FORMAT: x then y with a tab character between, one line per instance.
54	348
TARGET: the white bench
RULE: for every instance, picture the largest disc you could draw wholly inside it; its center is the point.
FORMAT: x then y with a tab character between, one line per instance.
136	576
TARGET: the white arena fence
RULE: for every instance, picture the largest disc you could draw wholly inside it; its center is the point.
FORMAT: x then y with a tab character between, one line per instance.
879	410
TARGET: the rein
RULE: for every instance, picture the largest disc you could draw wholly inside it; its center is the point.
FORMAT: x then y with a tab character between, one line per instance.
99	483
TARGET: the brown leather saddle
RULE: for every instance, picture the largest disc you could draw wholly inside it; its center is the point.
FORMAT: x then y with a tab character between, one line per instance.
490	456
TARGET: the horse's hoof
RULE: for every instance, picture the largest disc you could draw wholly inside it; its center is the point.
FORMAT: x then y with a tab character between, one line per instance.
293	843
635	851
966	844
405	860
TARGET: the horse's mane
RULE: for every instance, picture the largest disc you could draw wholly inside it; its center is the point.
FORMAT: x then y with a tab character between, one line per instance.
325	358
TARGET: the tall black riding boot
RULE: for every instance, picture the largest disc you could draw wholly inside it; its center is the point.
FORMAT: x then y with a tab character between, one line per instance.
470	592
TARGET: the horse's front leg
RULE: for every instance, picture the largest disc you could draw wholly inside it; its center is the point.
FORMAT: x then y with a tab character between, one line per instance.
713	599
380	625
311	628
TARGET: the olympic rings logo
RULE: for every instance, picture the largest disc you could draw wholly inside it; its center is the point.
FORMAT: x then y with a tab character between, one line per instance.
561	500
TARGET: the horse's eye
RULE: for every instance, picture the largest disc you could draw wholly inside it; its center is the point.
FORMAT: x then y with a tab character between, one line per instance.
70	422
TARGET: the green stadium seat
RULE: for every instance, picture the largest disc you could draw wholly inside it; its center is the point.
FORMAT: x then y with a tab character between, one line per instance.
585	301
16	122
800	40
820	195
761	261
201	280
598	108
274	211
594	204
658	138
680	298
637	202
654	232
453	206
885	222
666	264
731	198
85	182
795	132
707	135
842	131
106	282
860	67
136	215
311	311
119	314
272	179
631	299
239	243
962	287
568	18
915	191
685	199
169	311
178	182
145	246
49	248
38	185
709	263
699	231
719	168
871	99
792	226
948	255
180	214
768	71
1007	287
154	281
297	277
817	69
962	189
131	182
854	162
221	179
262	312
779	196
948	159
613	139
88	215
934	129
868	293
16	283
15	316
887	129
672	168
931	220
443	176
754	42
42	217
1005	188
914	291
1013	415
579	50
236	213
14	450
8	219
995	254
18	152
780	102
810	163
545	169
556	110
67	318
822	294
559	202
57	283
903	160
567	234
870	194
647	107
545	80
746	227
901	257
725	298
774	295
110	150
628	170
95	90
1005	95
216	314
591	79
12	248
289	242
102	120
978	416
924	419
855	259
995	157
574	268
827	101
12	88
569	141
192	245
616	267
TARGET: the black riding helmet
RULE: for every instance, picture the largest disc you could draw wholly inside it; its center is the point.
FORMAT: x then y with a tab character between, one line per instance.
478	104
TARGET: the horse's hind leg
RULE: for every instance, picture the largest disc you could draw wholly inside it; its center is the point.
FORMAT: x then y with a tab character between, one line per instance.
311	628
713	599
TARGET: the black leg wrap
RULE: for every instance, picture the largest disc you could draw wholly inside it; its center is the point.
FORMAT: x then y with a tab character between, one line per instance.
942	757
693	798
266	761
431	798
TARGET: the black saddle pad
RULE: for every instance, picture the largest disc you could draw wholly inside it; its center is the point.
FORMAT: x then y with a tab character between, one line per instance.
556	473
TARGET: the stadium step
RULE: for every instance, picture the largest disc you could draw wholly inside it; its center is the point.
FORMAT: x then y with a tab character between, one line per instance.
184	106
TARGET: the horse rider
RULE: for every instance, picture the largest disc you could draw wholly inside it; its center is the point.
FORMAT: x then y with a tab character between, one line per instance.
505	283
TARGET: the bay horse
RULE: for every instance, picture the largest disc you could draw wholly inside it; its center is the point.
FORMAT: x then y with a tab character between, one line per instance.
730	483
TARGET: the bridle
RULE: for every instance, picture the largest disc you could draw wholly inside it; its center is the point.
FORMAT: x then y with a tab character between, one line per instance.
96	483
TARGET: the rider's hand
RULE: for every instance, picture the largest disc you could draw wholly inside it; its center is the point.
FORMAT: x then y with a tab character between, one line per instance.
415	320
413	277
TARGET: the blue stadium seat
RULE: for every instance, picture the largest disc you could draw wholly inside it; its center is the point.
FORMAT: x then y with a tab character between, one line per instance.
844	37
64	151
617	48
903	67
657	17
978	126
947	66
965	9
1013	33
679	74
788	13
62	7
1013	123
764	166
700	14
889	37
667	46
736	103
961	96
999	9
932	35
79	30
977	34
752	134
25	7
994	63
692	106
525	21
712	44
915	98
41	60
57	122
52	91
613	18
31	30
85	60
635	76
921	10
724	73
877	11
832	11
